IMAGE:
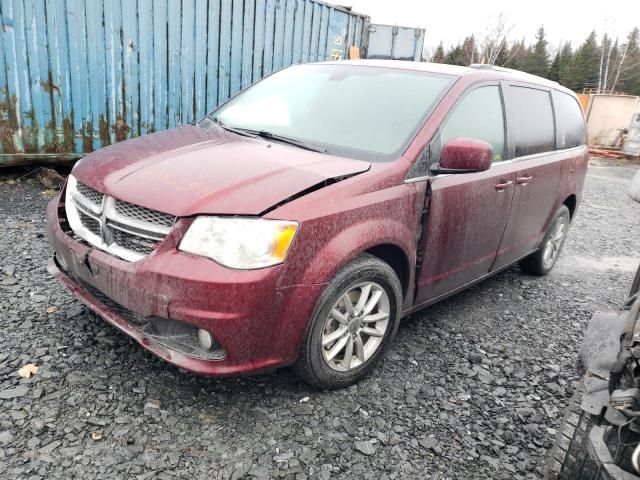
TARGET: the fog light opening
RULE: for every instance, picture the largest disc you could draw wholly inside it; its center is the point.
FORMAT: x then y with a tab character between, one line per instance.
205	339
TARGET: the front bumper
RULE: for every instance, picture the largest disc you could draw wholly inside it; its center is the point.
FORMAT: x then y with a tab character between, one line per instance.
258	324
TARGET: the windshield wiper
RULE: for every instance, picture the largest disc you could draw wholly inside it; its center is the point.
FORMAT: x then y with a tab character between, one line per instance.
240	131
248	132
287	140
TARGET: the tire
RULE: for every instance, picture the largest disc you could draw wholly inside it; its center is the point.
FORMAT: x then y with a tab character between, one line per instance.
313	364
538	263
569	458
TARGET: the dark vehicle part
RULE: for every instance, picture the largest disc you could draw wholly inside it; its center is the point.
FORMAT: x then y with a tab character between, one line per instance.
623	399
635	289
569	457
600	434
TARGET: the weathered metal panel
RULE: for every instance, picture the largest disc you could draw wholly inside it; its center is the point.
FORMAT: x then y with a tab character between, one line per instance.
394	42
77	75
632	143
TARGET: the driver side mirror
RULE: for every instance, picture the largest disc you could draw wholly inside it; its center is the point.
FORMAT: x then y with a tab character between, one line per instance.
464	155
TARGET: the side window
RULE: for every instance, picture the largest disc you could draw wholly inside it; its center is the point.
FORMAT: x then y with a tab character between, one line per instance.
569	120
531	120
478	115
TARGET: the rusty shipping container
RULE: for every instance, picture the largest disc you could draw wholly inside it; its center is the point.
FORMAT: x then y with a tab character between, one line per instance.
77	75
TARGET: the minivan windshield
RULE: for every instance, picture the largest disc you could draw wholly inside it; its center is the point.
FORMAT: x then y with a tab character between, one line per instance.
369	113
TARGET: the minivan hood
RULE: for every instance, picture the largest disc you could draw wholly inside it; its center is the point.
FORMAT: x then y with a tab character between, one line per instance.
191	170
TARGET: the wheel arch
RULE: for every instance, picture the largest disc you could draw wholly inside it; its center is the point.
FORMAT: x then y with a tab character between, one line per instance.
571	202
391	241
397	259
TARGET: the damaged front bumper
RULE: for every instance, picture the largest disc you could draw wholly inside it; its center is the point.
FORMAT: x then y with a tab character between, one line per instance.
163	300
599	452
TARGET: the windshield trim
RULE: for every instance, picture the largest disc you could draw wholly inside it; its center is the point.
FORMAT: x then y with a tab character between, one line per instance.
358	154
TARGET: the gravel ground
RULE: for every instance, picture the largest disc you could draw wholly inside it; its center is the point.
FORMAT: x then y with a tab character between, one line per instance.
474	387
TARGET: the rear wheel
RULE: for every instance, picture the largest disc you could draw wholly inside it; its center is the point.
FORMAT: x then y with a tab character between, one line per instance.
542	261
354	323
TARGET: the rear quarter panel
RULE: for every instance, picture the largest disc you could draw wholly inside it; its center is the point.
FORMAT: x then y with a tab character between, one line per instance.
574	175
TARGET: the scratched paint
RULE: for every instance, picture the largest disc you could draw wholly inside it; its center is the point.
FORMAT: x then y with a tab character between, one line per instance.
76	76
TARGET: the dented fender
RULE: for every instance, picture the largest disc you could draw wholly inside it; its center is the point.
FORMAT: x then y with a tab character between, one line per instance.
332	232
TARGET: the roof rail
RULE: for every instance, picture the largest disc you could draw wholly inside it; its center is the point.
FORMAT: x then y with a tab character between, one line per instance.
482	66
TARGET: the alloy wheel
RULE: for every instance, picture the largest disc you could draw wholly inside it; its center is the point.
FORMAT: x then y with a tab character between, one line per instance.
554	241
355	327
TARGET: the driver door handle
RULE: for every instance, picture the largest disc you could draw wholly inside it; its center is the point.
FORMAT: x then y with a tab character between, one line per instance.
523	180
504	184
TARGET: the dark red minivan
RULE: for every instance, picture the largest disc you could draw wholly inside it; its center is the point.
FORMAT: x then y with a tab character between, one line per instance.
298	222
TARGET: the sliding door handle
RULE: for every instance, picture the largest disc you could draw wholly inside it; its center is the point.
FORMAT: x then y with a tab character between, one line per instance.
503	184
523	180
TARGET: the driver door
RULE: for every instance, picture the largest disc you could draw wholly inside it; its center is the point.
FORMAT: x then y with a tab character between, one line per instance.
467	212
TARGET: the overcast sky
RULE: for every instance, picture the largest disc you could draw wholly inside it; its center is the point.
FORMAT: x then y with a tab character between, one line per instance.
450	21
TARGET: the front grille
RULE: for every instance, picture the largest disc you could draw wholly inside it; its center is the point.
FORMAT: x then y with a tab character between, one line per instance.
90	194
133	242
145	215
118	227
89	222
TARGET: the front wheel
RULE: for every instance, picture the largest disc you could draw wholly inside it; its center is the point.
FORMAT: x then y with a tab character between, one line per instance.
354	323
542	261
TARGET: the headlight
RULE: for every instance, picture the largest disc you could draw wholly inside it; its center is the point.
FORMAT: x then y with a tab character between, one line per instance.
242	243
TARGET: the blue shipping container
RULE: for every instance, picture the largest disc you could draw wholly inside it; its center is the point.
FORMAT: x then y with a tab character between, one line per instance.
76	75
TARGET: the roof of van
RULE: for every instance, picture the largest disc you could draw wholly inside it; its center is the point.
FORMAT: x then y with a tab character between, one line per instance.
483	71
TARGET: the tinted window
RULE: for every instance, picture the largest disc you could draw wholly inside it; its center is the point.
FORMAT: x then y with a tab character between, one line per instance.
478	115
531	120
569	120
358	111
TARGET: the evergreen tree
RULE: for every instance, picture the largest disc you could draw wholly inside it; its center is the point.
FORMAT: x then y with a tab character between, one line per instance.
537	60
583	69
574	69
454	56
517	56
554	68
503	54
566	58
439	56
628	73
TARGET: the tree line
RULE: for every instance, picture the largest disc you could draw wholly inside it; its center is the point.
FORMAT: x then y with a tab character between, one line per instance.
606	64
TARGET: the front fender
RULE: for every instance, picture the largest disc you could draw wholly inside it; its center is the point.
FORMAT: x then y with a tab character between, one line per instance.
355	239
340	231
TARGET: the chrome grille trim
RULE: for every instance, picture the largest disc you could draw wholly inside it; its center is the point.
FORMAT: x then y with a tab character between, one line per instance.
117	227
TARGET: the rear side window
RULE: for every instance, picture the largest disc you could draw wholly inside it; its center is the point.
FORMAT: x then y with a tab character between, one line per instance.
478	115
569	120
531	120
